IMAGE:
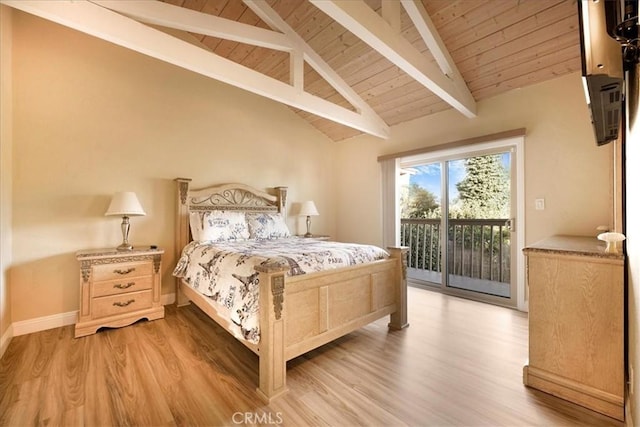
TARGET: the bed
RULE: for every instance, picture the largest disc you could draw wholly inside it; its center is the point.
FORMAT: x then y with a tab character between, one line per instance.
296	312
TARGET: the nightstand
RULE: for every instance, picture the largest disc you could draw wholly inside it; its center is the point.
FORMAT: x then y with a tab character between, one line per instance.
118	288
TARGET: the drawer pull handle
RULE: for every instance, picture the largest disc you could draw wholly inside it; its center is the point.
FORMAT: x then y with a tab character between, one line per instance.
124	304
121	286
123	272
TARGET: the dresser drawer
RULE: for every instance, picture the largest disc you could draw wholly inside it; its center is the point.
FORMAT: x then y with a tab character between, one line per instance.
119	304
121	286
121	270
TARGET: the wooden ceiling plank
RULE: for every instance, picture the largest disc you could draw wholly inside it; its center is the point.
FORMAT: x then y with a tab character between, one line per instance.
526	67
541	35
105	24
445	16
406	93
475	16
373	30
571	65
422	106
391	14
402	112
213	7
535	23
501	19
417	113
491	68
194	4
167	15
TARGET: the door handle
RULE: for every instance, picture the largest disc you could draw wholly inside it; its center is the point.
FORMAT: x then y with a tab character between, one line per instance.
511	224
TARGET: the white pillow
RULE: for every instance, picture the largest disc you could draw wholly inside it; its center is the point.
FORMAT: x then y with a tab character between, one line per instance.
218	226
267	226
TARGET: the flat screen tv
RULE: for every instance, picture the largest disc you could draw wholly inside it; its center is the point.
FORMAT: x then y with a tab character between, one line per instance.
602	65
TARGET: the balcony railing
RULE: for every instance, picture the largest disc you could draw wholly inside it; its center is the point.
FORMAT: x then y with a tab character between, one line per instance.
477	248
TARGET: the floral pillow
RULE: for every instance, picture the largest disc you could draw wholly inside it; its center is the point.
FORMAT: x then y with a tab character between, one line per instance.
218	226
267	226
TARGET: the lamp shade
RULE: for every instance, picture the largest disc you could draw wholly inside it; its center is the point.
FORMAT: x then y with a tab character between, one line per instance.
308	209
125	203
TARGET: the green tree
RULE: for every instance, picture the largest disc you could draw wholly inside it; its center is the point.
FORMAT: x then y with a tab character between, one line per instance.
484	191
418	202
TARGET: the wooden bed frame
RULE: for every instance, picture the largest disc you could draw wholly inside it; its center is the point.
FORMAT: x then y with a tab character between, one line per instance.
298	313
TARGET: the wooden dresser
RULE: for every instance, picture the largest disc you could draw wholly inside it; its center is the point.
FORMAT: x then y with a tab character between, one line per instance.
576	322
118	288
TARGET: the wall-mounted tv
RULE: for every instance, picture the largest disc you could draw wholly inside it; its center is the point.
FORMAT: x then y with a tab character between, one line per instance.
602	65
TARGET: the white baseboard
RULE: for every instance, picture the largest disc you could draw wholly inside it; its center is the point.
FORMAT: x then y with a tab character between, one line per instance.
6	339
167	299
628	413
43	323
54	321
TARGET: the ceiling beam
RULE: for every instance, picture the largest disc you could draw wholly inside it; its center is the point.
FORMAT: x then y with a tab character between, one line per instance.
358	18
275	21
105	24
180	18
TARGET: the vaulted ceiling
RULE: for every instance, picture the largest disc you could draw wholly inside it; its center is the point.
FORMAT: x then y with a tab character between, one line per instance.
383	62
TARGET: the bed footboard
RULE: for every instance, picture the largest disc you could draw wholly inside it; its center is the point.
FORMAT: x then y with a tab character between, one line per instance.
301	313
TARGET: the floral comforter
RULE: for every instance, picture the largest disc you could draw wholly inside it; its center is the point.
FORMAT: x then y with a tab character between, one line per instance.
224	271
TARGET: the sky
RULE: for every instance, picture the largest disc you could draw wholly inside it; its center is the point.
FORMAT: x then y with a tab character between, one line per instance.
428	176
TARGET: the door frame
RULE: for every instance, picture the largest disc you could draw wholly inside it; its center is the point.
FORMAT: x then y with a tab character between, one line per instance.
391	215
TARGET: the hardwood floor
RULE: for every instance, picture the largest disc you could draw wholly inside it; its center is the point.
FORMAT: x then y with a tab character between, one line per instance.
459	363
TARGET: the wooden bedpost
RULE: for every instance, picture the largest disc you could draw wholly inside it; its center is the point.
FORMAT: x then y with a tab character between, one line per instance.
282	201
182	230
273	364
399	319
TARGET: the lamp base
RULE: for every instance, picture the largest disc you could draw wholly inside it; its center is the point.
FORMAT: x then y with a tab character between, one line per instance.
125	246
308	235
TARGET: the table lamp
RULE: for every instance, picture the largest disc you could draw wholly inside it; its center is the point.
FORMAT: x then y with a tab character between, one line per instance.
125	204
308	209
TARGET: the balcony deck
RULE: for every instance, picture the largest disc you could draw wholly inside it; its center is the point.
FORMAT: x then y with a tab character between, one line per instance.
491	287
478	253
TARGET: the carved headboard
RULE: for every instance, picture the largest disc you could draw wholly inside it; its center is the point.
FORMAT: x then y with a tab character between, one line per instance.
237	197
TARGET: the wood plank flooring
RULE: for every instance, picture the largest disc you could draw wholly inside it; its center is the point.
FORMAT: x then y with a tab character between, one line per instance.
459	363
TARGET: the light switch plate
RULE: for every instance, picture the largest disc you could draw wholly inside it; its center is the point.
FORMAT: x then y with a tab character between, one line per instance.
539	204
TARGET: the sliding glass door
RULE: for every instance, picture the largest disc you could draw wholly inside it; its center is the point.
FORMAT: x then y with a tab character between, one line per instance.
457	218
479	218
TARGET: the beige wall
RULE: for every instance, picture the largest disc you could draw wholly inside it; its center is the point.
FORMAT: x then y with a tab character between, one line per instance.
5	173
563	165
92	118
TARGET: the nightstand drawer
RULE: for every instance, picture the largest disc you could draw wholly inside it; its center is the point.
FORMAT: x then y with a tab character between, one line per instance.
121	286
122	270
118	304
